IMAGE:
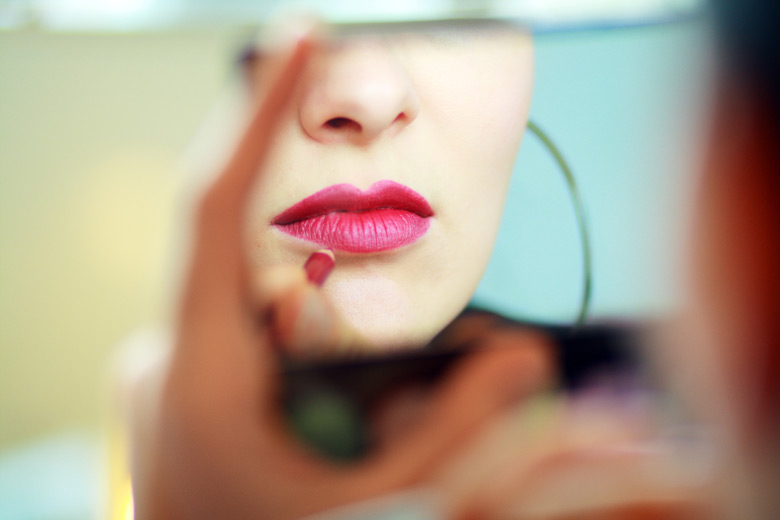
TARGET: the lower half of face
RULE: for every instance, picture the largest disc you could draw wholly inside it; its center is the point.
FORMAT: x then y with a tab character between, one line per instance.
408	196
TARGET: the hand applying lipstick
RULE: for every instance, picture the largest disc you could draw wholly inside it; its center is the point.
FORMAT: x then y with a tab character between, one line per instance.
300	318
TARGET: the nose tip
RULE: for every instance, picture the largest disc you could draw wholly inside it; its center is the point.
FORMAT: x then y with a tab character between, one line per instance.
356	96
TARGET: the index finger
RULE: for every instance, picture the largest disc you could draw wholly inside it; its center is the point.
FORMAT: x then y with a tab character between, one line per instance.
217	275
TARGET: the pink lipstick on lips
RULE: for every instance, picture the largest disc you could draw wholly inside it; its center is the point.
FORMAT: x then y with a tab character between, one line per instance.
386	216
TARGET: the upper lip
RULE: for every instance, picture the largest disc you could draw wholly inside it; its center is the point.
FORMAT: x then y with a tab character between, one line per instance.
349	198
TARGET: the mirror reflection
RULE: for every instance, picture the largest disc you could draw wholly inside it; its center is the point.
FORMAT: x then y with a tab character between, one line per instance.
392	156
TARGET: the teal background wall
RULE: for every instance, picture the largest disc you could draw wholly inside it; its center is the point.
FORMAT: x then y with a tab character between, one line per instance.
625	107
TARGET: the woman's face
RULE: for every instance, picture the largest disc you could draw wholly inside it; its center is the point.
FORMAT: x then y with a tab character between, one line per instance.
401	149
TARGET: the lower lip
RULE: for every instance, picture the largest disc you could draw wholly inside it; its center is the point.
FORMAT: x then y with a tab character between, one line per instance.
368	231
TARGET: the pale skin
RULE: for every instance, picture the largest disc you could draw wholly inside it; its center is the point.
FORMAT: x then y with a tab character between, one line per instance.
441	113
216	447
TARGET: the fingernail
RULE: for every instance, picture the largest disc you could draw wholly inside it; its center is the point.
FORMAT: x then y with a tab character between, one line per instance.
319	265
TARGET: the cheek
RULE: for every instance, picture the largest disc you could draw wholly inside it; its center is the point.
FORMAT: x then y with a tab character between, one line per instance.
478	107
480	116
477	121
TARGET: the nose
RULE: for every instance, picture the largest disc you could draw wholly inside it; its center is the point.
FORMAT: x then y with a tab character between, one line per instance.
355	94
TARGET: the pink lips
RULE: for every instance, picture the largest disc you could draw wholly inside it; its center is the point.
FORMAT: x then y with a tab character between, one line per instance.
386	216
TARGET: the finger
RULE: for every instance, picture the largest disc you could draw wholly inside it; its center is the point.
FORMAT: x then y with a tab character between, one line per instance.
305	323
478	390
553	442
217	275
611	483
301	319
271	284
517	439
214	370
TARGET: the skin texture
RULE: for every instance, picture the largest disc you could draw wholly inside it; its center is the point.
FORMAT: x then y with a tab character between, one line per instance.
441	113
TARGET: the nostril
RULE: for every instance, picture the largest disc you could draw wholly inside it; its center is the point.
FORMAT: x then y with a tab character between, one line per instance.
343	123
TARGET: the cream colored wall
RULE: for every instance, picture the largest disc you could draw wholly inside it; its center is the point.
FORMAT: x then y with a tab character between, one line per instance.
91	127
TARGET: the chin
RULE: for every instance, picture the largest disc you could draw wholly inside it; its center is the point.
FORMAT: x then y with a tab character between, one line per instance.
383	313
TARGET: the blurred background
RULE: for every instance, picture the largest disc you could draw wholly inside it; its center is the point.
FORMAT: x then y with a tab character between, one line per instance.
99	101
